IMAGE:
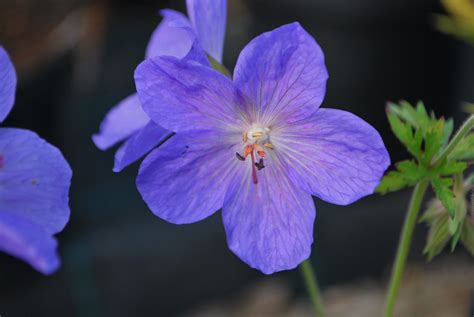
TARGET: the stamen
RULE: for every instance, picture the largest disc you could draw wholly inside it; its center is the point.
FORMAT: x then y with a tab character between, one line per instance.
239	157
248	149
260	164
257	134
244	137
260	151
268	146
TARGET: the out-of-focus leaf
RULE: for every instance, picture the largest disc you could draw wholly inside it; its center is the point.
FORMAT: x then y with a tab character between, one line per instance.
469	180
438	237
434	210
448	131
442	188
465	149
456	223
445	226
468	107
456	26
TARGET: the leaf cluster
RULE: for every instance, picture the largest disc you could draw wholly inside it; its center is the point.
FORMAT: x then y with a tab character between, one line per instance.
426	137
443	228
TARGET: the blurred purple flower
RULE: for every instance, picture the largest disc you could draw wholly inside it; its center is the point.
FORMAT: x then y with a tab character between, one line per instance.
258	146
174	36
34	187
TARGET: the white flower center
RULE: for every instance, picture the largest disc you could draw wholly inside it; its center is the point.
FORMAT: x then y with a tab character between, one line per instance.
257	135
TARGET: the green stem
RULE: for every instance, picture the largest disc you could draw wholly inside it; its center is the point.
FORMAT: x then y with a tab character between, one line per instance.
463	130
312	287
404	245
219	67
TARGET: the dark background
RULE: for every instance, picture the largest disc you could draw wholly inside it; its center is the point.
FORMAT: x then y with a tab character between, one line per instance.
76	59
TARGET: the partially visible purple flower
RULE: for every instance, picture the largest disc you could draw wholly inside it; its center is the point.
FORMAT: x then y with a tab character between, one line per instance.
258	147
174	36
34	187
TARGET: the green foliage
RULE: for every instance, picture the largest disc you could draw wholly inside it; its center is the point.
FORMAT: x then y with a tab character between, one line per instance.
427	139
444	192
408	173
445	226
451	167
465	149
438	234
457	28
424	136
468	107
460	19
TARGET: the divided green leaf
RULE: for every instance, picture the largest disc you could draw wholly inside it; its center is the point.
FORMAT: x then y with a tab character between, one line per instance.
408	173
404	132
422	134
450	168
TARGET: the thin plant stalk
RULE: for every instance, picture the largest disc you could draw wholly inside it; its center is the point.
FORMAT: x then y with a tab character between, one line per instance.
404	245
312	287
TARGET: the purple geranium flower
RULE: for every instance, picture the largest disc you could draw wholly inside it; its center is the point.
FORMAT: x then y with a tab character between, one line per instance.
258	147
34	186
173	37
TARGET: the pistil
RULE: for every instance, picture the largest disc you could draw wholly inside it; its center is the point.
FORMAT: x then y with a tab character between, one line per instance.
254	170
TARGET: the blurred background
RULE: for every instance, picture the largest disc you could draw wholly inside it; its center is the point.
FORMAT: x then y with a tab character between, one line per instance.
75	60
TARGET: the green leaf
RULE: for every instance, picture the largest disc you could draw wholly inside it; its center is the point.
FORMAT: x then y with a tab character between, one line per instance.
408	173
442	188
416	117
405	123
433	212
448	131
434	139
452	226
465	149
451	167
438	237
400	129
411	170
391	182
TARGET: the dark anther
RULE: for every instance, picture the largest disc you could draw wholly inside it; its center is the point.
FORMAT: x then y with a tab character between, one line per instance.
260	165
239	157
